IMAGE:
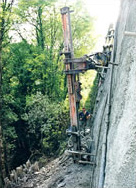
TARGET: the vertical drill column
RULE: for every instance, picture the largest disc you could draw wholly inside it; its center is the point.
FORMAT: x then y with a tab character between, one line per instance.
71	78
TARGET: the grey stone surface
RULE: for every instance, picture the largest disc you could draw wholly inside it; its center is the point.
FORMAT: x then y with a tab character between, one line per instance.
120	170
61	172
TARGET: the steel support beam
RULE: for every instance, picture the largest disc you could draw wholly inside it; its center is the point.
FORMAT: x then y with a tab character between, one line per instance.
69	53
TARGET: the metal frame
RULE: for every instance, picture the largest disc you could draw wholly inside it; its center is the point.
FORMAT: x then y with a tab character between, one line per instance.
74	66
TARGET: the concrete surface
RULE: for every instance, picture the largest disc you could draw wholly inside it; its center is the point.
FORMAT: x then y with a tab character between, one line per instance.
120	169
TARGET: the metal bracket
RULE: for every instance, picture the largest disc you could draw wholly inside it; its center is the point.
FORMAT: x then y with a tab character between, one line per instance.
74	133
86	162
65	10
80	153
65	53
113	63
74	71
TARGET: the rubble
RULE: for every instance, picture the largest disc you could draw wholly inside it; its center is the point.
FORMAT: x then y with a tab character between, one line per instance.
61	172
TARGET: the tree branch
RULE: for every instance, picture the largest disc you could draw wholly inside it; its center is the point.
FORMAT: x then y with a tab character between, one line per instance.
9	7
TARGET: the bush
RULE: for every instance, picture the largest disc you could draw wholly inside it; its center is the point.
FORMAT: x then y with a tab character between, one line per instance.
93	93
47	122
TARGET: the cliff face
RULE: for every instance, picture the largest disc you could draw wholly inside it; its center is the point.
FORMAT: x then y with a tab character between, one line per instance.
115	118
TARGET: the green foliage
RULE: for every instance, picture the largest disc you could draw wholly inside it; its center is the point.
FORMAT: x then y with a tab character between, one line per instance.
47	123
29	70
93	93
33	3
6	20
87	80
84	38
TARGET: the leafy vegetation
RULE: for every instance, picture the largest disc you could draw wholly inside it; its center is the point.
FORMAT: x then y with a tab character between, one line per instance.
87	80
33	93
93	93
47	123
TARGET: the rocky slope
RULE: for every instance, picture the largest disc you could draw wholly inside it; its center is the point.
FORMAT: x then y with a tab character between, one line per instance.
61	172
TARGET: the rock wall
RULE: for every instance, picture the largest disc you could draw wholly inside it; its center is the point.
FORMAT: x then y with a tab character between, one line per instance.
115	118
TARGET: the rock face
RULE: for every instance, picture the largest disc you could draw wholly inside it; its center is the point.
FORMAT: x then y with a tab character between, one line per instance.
115	118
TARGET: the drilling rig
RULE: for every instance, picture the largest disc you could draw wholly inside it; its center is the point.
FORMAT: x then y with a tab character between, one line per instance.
73	67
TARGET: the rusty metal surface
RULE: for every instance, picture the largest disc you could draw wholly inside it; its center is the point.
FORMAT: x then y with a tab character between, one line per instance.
68	47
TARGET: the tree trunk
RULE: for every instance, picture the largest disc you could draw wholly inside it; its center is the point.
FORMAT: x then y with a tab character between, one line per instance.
41	28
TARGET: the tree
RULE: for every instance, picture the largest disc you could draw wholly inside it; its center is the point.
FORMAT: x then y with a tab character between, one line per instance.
84	38
5	12
33	13
47	124
45	22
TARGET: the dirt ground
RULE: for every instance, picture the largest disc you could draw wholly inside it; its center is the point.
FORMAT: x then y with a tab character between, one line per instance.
61	172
